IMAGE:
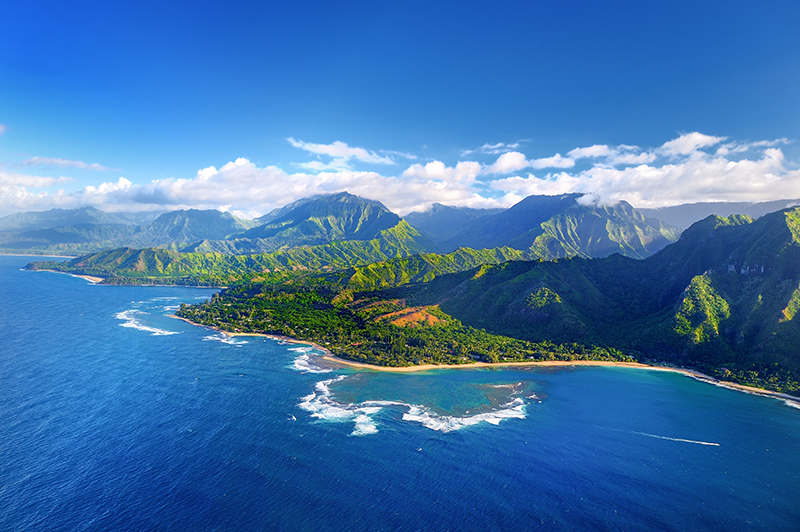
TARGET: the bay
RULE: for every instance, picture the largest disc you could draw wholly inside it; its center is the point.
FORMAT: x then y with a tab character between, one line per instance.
115	416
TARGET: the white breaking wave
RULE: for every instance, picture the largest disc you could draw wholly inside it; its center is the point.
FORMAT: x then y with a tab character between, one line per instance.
514	410
171	308
793	404
322	406
304	364
306	349
129	320
677	439
225	339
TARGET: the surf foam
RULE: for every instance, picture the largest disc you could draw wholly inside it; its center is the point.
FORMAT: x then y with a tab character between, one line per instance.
322	406
304	364
225	339
129	320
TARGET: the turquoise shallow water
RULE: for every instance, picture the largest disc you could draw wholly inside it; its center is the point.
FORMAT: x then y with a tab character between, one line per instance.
114	416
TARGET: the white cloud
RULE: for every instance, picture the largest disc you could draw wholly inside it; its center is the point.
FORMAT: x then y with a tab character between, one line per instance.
3	129
742	147
493	149
630	158
341	151
465	171
64	163
241	186
556	161
689	143
681	173
696	178
514	161
31	181
598	150
508	162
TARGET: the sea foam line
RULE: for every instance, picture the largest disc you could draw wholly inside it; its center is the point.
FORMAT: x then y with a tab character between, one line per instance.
677	439
225	339
322	406
304	364
130	321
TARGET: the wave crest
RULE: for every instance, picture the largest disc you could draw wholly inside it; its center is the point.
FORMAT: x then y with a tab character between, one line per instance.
322	406
225	339
129	320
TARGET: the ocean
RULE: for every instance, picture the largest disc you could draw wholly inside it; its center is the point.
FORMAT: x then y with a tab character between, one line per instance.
115	416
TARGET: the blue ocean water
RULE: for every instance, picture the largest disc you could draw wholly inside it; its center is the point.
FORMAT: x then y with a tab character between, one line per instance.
114	416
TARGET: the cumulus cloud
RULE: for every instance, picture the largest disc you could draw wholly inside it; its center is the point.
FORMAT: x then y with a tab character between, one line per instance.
514	161
64	163
464	171
241	186
509	162
689	143
556	161
598	150
695	177
690	168
340	151
31	181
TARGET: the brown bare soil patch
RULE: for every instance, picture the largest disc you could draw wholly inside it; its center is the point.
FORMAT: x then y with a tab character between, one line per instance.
411	317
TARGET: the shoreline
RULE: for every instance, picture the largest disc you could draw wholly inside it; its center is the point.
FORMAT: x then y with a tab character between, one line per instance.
330	357
90	278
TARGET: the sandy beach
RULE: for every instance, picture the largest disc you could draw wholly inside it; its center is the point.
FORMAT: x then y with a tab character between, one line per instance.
564	363
330	357
89	278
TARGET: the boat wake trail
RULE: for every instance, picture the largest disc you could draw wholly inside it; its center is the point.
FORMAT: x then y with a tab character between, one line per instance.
676	439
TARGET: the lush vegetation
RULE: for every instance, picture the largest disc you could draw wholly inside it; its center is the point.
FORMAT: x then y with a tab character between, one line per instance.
550	227
722	300
366	327
162	266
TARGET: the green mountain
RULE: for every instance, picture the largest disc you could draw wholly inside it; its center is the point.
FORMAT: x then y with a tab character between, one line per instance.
90	230
723	299
164	266
26	221
193	224
314	222
561	226
683	216
442	222
274	214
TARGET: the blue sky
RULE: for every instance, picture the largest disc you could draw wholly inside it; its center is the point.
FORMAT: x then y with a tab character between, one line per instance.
246	106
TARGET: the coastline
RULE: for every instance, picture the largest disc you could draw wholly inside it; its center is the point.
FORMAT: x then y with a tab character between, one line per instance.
90	278
330	357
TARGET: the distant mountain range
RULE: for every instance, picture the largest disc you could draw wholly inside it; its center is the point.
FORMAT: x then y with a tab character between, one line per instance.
682	216
560	226
26	221
539	226
88	230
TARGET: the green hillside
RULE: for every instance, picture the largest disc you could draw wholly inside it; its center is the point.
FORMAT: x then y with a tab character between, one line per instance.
723	299
562	226
162	266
